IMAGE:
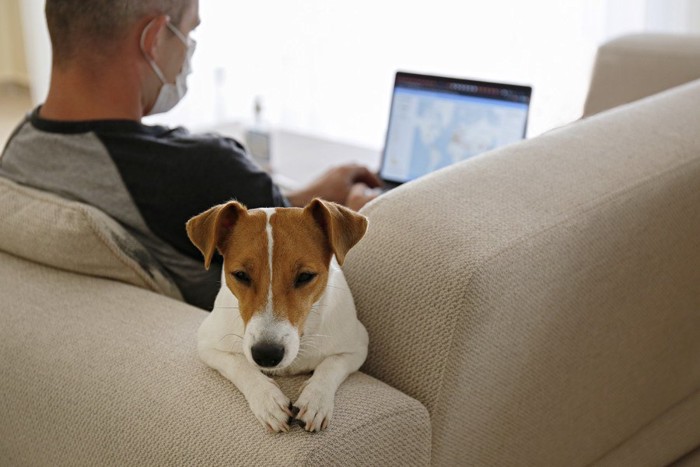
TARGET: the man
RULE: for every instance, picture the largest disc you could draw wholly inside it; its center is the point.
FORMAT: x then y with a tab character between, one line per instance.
115	61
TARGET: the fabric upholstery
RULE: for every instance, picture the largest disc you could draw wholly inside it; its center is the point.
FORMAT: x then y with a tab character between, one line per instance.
650	447
639	65
96	372
50	230
690	460
542	300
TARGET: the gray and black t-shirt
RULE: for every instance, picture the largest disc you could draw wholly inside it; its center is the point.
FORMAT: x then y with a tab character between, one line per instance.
151	179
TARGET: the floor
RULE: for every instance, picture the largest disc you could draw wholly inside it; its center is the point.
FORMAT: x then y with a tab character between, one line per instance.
15	102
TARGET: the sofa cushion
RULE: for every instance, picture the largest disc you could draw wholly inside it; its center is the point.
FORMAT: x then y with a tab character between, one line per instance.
47	229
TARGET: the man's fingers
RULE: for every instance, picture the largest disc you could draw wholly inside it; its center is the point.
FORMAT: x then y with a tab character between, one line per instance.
360	194
364	175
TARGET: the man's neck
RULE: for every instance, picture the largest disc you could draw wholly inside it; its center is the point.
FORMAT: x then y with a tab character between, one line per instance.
76	94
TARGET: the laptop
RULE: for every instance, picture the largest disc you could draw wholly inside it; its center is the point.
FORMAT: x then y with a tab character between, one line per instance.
436	121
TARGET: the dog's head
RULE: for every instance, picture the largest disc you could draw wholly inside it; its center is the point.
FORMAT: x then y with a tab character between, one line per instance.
276	263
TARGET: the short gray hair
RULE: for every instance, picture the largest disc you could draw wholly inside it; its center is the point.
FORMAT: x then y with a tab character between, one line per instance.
75	24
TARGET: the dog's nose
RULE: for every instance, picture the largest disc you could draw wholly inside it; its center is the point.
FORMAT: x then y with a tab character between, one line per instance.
267	354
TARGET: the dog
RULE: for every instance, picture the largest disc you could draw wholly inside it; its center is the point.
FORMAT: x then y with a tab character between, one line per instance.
284	307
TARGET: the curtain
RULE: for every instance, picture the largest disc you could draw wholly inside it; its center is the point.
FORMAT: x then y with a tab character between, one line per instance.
37	48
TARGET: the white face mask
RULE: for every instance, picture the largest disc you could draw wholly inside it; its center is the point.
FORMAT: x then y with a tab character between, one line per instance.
170	94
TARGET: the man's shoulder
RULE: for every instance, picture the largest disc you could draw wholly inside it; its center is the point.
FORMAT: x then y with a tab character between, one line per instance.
180	141
21	125
128	137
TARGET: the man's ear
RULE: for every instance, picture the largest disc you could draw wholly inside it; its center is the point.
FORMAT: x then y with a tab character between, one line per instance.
152	32
343	227
210	229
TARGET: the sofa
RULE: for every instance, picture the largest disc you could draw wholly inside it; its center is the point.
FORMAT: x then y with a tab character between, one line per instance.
536	305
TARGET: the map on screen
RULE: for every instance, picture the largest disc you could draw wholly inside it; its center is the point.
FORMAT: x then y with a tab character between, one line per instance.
429	130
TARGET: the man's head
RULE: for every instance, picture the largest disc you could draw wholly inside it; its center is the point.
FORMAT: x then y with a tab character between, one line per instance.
94	34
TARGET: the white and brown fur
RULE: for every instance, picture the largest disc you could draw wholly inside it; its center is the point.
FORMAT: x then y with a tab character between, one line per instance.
283	293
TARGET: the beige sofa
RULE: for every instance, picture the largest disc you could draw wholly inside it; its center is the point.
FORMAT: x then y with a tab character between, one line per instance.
539	305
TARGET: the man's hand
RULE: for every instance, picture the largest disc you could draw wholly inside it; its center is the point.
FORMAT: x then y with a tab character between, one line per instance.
351	185
360	194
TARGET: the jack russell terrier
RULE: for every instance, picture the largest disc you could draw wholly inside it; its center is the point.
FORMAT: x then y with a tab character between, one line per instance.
284	307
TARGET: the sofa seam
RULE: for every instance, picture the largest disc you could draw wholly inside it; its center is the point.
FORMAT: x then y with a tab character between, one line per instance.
646	425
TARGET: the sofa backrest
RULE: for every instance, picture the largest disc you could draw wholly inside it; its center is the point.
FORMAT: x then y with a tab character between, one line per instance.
638	65
542	300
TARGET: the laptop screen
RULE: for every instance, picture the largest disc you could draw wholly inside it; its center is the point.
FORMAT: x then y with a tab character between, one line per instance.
437	121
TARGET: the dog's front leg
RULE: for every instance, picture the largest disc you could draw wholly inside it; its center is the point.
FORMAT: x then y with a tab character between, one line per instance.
316	401
266	400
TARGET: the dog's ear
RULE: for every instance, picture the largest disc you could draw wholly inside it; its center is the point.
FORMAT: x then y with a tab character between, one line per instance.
210	229
343	227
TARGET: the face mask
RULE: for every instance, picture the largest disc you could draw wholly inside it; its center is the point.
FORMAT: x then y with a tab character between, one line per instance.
170	94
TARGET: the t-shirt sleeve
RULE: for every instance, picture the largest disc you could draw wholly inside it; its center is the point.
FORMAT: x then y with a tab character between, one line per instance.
228	173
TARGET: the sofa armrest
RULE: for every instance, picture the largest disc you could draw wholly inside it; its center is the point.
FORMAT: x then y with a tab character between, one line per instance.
545	295
635	66
96	372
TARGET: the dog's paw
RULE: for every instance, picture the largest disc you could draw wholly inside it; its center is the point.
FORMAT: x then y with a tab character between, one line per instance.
271	407
315	404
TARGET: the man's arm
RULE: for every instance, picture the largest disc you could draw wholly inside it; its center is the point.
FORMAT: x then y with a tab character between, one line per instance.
351	185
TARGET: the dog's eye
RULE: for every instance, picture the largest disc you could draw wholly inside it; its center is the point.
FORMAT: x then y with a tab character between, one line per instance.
242	277
304	278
